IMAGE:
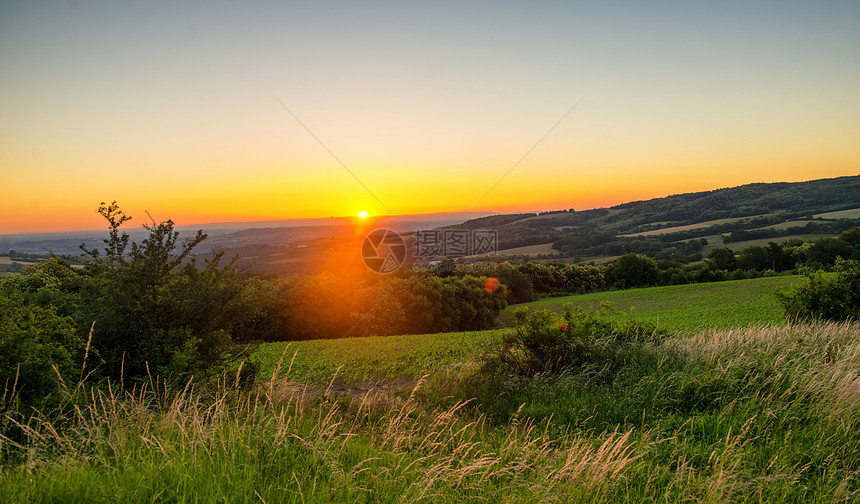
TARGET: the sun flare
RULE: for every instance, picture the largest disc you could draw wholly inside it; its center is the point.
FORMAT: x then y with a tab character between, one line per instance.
363	214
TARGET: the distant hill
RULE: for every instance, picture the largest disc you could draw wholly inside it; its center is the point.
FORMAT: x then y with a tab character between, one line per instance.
753	205
747	212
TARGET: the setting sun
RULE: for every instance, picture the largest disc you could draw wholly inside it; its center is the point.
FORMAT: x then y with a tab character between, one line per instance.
363	214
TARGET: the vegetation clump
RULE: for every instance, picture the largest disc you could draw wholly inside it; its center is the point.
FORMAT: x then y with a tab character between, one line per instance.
545	342
826	296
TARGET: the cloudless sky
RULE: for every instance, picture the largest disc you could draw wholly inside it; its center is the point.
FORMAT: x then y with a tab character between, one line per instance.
176	107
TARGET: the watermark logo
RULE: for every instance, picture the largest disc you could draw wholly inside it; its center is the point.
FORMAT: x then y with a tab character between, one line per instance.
383	251
453	243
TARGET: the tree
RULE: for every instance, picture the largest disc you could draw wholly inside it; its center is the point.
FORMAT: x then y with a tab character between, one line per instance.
155	310
753	258
633	270
826	296
722	259
520	287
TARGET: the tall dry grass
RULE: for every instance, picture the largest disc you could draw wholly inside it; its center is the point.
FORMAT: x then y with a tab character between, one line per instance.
287	442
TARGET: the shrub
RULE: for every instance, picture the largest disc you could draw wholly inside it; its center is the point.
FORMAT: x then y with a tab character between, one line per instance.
825	296
36	345
156	311
543	342
51	283
549	354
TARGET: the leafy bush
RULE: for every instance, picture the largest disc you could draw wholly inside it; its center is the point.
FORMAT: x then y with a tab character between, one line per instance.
547	353
826	296
543	342
36	345
156	311
48	283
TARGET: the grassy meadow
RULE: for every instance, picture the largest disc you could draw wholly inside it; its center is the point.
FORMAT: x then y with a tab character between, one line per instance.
687	308
735	405
734	303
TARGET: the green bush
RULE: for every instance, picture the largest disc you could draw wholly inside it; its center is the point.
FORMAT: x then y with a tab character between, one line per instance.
547	353
157	312
51	283
825	296
544	342
36	345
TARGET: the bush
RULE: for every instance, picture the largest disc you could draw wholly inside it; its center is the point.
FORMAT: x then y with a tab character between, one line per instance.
825	296
51	283
578	340
156	311
36	345
549	354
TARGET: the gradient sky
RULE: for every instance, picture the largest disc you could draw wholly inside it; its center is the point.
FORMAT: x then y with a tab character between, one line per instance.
175	107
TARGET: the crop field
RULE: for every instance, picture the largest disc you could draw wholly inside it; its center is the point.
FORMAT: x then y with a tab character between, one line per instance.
688	227
683	308
788	224
716	241
353	361
687	308
8	260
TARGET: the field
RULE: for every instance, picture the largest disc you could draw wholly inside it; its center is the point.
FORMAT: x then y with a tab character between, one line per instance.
764	414
357	361
842	214
390	359
688	227
787	224
530	250
721	411
735	303
4	260
716	241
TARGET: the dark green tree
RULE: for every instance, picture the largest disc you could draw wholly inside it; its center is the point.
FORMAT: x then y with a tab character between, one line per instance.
722	259
826	296
156	310
633	270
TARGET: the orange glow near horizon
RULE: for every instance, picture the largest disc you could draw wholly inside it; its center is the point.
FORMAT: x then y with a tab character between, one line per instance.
251	202
229	117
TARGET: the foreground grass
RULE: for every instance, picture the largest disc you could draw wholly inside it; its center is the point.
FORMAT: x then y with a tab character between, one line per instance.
762	414
691	307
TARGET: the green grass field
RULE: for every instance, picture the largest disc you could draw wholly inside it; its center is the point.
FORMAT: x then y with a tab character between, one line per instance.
726	409
763	414
354	361
854	213
732	413
684	308
692	307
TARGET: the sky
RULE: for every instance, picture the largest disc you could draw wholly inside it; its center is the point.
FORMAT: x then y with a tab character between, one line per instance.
235	111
